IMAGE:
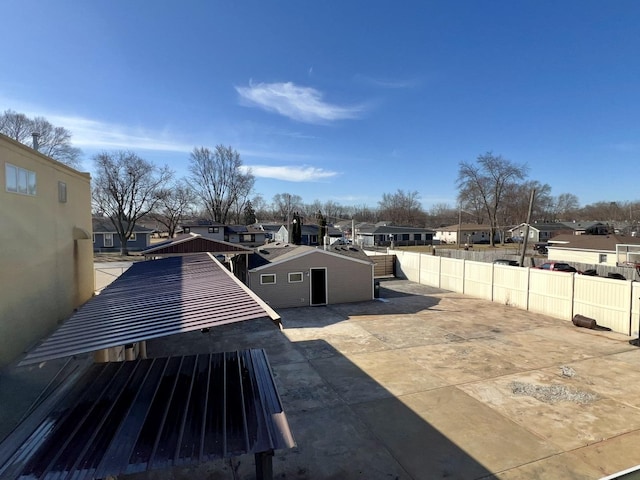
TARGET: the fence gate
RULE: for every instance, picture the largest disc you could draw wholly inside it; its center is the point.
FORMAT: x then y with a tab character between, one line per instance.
384	265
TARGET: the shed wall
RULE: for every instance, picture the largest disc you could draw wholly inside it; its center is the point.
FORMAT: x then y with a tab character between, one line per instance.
347	281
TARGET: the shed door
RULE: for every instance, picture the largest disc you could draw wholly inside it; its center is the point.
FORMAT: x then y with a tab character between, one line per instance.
318	286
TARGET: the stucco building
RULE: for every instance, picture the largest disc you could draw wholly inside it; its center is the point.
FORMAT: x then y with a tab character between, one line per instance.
45	245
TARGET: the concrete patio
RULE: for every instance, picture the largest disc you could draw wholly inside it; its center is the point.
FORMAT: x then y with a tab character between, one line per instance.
423	384
431	384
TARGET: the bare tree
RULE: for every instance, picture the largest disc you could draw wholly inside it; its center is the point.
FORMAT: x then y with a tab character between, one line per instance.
218	179
174	202
485	184
565	206
443	215
245	187
285	203
16	125
402	208
53	141
126	188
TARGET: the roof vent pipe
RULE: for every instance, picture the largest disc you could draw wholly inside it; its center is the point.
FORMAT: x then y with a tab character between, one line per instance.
35	136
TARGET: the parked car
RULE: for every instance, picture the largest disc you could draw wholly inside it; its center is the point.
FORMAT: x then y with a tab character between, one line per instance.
617	276
541	247
504	261
557	267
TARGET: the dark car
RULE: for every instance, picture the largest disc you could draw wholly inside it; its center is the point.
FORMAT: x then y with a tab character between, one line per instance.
504	261
558	267
541	247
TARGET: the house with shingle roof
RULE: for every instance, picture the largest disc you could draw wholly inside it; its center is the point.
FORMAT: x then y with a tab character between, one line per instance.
384	235
590	249
106	239
469	233
540	232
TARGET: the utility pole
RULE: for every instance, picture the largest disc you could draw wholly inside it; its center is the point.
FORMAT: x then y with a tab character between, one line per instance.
526	228
288	218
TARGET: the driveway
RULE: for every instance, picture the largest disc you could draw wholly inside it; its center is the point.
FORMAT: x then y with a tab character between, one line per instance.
428	384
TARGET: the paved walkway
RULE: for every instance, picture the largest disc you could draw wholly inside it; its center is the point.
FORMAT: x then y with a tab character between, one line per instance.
431	384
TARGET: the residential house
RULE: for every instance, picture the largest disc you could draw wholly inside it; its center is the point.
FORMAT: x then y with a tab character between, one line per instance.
470	233
249	236
285	275
270	229
107	240
386	235
540	232
204	227
593	249
46	257
310	235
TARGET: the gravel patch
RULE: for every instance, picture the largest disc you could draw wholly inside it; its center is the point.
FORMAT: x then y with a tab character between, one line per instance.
552	393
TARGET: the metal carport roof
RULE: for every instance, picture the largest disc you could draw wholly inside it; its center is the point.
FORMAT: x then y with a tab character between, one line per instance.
154	299
133	416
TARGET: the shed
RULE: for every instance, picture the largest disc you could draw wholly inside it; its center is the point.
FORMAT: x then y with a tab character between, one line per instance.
285	275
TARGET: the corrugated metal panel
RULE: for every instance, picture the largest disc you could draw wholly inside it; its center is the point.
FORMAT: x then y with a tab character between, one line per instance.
127	417
154	299
478	279
606	300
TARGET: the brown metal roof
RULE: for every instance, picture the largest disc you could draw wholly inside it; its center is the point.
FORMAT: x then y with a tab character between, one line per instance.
194	243
154	299
126	417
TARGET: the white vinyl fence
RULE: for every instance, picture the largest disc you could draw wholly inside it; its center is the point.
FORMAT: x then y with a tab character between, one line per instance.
612	303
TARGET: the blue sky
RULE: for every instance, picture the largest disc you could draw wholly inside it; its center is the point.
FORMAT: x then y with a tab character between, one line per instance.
341	101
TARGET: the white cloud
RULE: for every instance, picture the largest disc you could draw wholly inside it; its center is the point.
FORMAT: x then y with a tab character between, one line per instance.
303	104
302	173
87	133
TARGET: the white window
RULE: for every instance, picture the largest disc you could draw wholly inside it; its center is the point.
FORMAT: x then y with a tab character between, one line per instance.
602	258
132	238
213	229
20	180
108	239
295	277
267	278
62	192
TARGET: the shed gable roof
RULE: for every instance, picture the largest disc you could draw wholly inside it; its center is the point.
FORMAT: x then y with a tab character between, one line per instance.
296	252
